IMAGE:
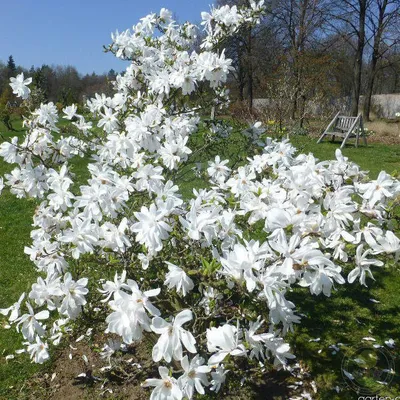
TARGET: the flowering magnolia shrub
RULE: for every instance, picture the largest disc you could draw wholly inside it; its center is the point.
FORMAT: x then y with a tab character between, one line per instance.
204	280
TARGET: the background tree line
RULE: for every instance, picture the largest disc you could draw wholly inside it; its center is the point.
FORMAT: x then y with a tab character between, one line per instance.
62	85
307	56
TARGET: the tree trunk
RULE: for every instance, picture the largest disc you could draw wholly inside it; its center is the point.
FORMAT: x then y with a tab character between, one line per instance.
303	110
368	98
250	71
294	105
355	95
242	81
374	61
241	90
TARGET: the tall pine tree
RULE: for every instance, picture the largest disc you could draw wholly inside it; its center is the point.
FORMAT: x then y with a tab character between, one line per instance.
11	64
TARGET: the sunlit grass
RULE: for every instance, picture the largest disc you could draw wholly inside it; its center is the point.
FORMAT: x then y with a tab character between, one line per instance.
346	317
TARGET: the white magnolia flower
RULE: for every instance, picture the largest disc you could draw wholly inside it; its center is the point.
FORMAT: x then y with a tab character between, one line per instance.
377	190
166	388
74	295
218	377
47	291
255	340
177	278
130	311
70	111
195	376
19	86
243	263
110	288
38	351
390	343
303	212
319	276
30	323
151	229
223	341
389	243
109	120
169	344
14	310
363	264
218	170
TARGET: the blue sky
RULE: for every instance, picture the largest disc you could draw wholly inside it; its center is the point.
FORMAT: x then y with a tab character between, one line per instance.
73	32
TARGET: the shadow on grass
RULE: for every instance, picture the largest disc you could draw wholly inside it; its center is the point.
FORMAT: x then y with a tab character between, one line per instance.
333	328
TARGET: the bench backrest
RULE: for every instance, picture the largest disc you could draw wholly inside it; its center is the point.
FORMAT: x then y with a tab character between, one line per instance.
344	123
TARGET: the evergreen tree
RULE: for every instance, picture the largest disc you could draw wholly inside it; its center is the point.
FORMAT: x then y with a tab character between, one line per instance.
11	64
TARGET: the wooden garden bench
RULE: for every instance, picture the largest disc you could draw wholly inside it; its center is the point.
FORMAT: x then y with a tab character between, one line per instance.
345	127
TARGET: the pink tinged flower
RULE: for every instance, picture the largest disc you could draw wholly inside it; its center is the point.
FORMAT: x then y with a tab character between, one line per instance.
19	86
38	351
169	344
223	341
177	278
166	388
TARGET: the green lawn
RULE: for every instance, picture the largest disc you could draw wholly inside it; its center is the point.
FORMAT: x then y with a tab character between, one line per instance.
346	317
374	158
16	276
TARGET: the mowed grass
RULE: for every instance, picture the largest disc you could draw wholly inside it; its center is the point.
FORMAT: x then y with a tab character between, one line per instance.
346	317
16	276
374	157
17	272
